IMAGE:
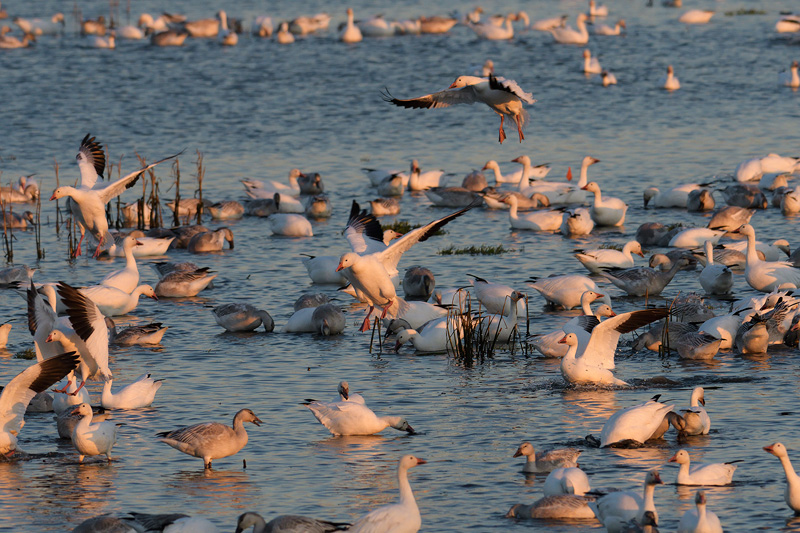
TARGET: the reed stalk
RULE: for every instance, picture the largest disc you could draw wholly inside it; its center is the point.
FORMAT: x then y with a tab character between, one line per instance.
201	172
176	169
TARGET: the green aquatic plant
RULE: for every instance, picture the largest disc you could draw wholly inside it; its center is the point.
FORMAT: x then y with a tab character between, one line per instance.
27	353
483	249
404	226
739	12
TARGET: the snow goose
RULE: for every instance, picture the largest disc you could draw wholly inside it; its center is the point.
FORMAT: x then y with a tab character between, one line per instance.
211	440
402	516
695	237
418	283
229	210
345	395
169	38
675	197
328	319
715	279
376	26
172	522
290	225
500	327
22	388
8	42
591	65
596	260
322	270
538	171
607	78
242	317
370	274
554	507
711	474
766	276
700	200
616	509
384	207
93	27
148	334
285	523
211	241
723	327
311	300
354	418
730	218
351	33
582	370
262	26
493	32
565	291
16	221
183	283
790	202
37	26
149	247
597	11
608	211
305	24
644	281
284	36
495	297
125	279
318	207
203	28
790	78
697	346
792	492
547	460
103	41
699	519
135	395
568	35
88	202
788	23
549	23
5	329
766	252
503	96
577	221
549	220
569	480
752	337
575	194
696	16
669	82
113	302
548	344
604	29
92	439
745	195
419	181
451	196
636	423
267	189
437	335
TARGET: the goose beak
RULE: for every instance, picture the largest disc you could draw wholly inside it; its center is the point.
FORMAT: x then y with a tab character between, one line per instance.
562	341
75	412
53	197
517	453
600	295
658	479
769	449
640	254
702	401
338	268
257	421
138	243
154	297
584	188
613	313
411	431
421	461
673	459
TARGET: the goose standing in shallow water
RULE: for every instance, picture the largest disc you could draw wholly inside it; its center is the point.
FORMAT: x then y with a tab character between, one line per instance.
547	460
699	519
792	492
616	509
211	440
92	439
503	96
400	517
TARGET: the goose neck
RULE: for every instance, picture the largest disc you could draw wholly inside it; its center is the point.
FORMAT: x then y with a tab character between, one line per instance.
406	494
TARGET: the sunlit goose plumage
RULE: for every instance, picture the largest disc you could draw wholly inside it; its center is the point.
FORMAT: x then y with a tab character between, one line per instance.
570	480
569	35
305	24
494	297
788	23
700	200
548	344
695	237
712	474
92	439
534	172
776	251
669	82
641	281
38	26
616	509
501	326
148	334
536	220
591	65
375	26
22	388
792	492
597	11
604	29
699	519
577	221
383	207
284	36
113	302
285	524
211	440
565	290
606	211
419	181
547	460
125	279
262	26
493	32
183	283
675	197
226	37
203	28
697	346
503	96
723	327
135	395
636	423
596	260
730	218
242	317
607	78
715	279
437	335
351	33
566	193
581	370
554	507
102	41
267	189
400	517
169	38
211	241
354	418
290	225
549	23
8	42
790	78
696	16
766	276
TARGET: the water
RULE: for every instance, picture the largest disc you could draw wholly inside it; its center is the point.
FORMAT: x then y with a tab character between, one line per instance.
258	110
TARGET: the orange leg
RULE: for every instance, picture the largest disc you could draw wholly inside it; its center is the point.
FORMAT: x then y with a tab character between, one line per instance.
519	128
502	131
78	389
365	324
78	249
64	390
386	309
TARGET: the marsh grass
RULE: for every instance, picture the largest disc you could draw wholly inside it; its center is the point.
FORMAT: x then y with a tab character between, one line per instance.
404	226
483	249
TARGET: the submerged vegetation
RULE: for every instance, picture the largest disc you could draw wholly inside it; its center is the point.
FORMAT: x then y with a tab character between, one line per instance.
483	249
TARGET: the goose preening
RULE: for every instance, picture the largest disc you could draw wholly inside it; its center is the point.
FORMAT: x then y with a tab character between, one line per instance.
242	317
792	492
211	440
563	506
547	460
286	524
400	517
699	519
711	474
22	388
566	480
503	96
606	211
715	279
92	439
790	78
696	16
602	258
354	418
669	82
569	35
135	395
616	509
636	423
766	276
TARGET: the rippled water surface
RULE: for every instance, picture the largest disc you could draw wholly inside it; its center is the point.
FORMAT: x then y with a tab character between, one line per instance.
258	110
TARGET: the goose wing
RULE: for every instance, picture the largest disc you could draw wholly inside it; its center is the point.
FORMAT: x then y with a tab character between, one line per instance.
605	335
91	161
363	231
89	323
116	188
510	86
445	98
40	314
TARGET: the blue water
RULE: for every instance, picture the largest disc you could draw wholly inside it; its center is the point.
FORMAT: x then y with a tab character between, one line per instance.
259	109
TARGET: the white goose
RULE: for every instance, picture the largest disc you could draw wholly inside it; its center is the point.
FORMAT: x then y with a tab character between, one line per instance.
766	276
711	474
493	32
503	96
547	460
569	193
723	327
183	283
591	65
674	197
548	344
597	11
22	388
351	33
125	279
581	370
549	23
534	172
284	36
494	296
135	395
616	509
715	279
695	237
211	440
792	492
565	291
790	78
559	507
604	29
767	252
436	336
697	420
400	517
419	181
544	220
699	519
242	317
636	423
353	418
290	225
501	326
569	35
92	439
608	211
696	16
113	302
577	221
599	259
570	480
669	82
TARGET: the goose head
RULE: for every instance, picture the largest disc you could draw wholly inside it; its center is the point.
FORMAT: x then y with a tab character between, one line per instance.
409	461
522	160
681	457
621	23
82	410
570	339
591	187
403	425
526	449
699	394
491	165
649	194
344	389
347	260
248	520
652	477
246	415
777	449
586	53
605	310
403	337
